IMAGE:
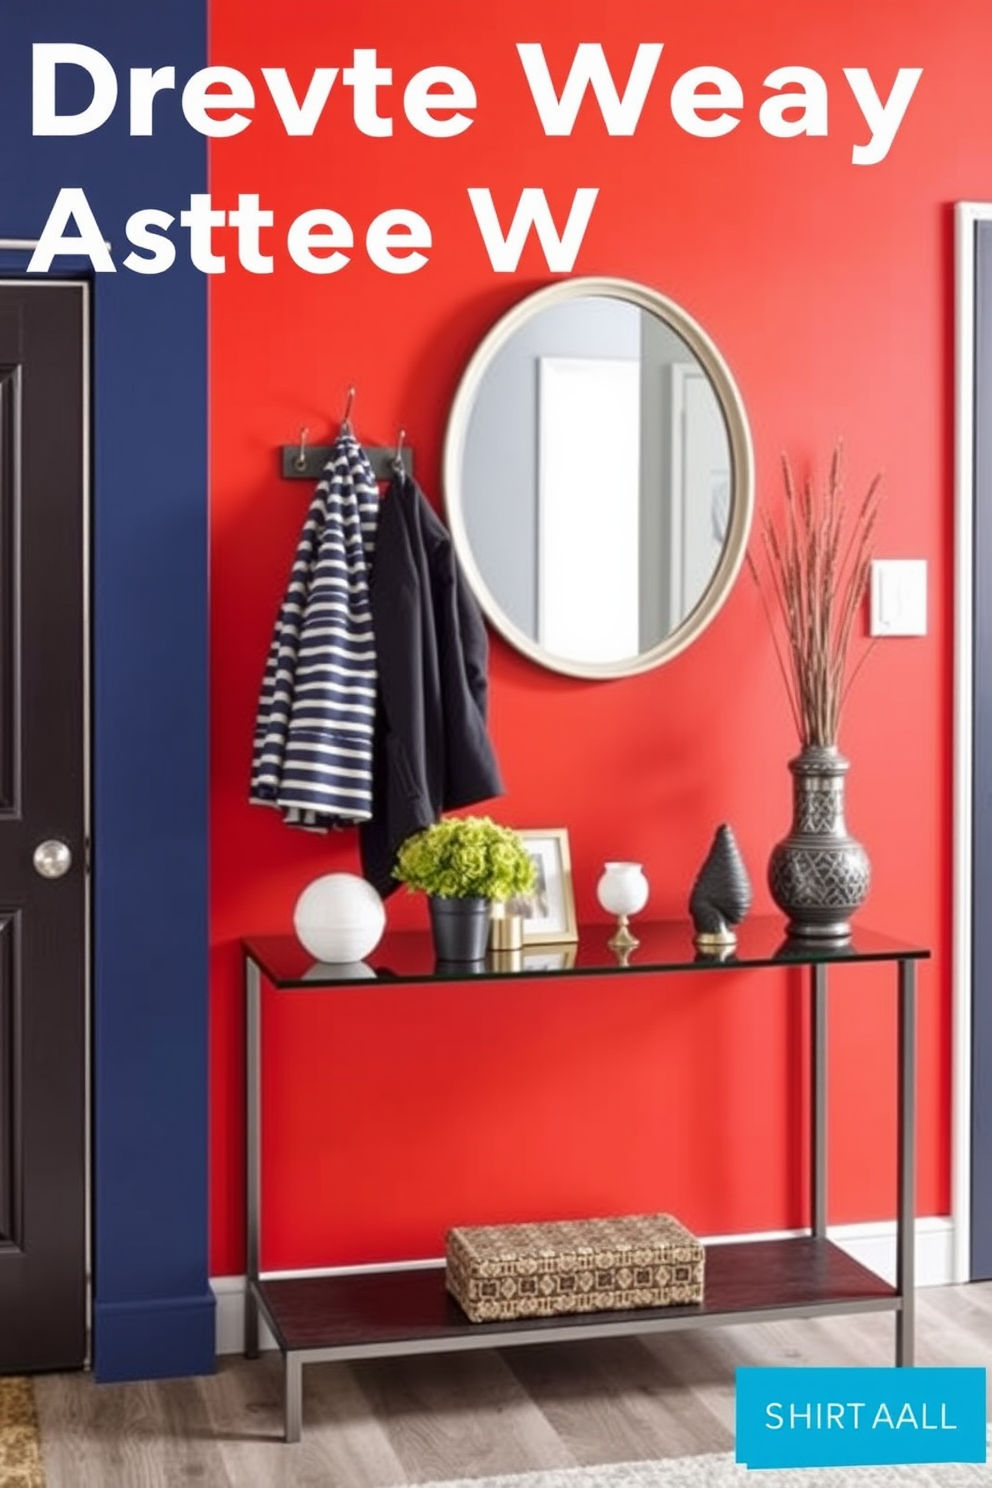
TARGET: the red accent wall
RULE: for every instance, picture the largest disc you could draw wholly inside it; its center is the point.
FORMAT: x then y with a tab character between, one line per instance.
829	288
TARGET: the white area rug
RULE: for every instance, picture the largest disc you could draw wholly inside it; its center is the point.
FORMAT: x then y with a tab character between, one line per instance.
721	1471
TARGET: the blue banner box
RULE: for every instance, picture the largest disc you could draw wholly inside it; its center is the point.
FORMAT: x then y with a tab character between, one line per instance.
859	1417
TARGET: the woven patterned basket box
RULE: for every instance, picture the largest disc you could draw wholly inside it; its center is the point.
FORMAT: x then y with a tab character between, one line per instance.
502	1272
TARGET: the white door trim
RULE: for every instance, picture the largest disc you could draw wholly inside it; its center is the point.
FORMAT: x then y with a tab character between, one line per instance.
966	216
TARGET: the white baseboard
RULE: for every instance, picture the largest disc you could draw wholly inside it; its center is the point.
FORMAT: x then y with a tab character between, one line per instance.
230	1294
874	1245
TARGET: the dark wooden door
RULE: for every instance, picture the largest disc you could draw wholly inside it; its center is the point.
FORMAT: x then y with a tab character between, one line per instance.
43	878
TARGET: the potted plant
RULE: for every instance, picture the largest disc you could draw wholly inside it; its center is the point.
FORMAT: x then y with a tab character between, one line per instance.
464	864
817	564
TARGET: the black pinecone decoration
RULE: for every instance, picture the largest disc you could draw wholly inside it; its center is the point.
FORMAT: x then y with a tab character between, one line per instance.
721	895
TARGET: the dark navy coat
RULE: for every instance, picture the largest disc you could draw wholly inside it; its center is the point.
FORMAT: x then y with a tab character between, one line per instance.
432	751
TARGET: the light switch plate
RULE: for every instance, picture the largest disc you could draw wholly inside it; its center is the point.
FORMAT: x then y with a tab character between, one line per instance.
898	597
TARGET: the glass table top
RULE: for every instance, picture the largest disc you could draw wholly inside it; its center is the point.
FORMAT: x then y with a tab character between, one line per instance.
665	945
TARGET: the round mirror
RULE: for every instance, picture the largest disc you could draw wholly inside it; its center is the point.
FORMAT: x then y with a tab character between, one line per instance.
598	477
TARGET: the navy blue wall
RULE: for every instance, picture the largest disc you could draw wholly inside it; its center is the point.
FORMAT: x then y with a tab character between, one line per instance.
153	1312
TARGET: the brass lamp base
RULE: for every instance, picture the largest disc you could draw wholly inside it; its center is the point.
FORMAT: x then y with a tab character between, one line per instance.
623	938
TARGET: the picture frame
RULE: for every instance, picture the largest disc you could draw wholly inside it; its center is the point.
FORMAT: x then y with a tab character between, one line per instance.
548	914
548	958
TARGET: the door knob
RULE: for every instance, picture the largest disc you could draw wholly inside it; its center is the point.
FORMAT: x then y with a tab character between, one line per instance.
52	859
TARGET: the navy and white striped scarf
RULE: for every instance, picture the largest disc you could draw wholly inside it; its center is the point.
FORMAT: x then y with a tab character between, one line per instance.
312	756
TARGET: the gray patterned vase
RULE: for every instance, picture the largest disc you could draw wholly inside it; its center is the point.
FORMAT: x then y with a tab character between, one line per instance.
819	875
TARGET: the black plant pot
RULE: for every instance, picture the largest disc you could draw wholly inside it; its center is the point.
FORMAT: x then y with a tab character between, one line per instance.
460	927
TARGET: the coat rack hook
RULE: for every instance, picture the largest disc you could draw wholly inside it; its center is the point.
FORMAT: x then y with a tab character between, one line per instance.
398	456
346	420
300	459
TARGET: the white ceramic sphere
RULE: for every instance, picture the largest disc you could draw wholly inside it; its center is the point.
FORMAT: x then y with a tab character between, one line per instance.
339	917
622	889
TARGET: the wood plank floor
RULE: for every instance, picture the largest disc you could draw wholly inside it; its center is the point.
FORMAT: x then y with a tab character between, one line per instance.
390	1422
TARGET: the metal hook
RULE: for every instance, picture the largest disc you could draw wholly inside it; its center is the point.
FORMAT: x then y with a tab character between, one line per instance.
398	456
300	460
346	420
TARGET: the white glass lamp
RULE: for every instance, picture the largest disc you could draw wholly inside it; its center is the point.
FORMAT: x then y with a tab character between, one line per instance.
622	890
339	918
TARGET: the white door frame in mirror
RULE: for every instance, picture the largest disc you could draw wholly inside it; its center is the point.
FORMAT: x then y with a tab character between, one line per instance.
604	617
741	471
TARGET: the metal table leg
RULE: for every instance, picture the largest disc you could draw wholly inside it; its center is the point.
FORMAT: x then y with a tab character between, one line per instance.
294	1397
818	1101
906	1222
253	1174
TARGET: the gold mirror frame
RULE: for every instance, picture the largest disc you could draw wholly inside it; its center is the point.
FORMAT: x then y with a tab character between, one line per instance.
741	457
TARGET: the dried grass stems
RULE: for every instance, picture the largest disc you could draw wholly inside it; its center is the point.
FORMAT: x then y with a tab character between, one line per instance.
817	571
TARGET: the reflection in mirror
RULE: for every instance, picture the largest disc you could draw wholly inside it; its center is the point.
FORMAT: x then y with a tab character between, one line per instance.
598	477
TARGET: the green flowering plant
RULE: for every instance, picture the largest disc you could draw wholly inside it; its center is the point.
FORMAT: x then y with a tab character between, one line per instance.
466	857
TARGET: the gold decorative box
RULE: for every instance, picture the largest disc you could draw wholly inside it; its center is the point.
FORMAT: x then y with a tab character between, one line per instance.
499	1272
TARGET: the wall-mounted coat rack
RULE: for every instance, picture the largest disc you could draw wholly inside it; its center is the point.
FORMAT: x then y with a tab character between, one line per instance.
305	461
308	463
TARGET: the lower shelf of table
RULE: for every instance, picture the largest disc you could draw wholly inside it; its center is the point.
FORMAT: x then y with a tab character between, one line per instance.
408	1311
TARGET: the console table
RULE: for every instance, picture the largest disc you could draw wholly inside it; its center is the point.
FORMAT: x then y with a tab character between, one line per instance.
406	1310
